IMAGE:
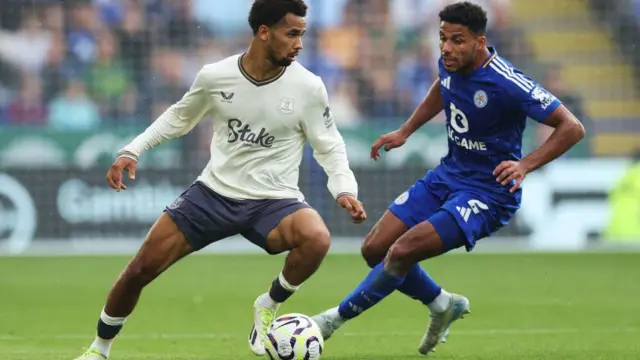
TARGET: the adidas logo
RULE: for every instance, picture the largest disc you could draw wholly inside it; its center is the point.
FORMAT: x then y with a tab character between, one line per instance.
446	82
464	212
475	206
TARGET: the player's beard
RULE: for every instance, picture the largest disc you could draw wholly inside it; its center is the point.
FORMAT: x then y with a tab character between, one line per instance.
273	58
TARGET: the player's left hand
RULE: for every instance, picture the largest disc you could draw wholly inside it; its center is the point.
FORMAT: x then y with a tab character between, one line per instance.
354	207
507	171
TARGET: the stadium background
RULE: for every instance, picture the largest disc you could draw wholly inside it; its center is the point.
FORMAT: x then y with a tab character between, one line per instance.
80	78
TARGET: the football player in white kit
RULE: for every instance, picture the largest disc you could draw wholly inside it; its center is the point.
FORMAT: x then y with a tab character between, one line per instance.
264	108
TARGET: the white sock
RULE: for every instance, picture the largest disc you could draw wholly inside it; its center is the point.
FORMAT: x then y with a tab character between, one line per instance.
285	284
104	345
267	301
441	303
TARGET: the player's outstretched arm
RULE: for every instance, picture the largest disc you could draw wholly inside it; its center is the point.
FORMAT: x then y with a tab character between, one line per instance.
430	106
177	120
427	110
331	153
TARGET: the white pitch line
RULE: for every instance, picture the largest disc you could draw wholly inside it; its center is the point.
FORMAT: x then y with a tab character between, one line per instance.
196	336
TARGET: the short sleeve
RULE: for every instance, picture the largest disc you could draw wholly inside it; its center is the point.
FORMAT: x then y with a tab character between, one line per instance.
531	98
523	92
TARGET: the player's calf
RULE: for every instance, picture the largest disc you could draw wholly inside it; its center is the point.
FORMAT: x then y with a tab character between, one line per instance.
164	245
428	239
306	237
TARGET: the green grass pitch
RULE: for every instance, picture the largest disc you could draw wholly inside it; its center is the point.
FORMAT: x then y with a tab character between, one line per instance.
534	306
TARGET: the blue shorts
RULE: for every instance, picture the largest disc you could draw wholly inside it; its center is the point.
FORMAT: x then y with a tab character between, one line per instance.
460	217
205	216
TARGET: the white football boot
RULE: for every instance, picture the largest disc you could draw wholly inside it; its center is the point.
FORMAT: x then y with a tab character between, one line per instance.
92	354
262	318
440	324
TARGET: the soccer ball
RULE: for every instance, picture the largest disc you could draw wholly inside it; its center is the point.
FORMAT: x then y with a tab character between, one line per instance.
294	337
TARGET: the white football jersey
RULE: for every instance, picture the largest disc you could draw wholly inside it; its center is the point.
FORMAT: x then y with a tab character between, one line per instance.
260	128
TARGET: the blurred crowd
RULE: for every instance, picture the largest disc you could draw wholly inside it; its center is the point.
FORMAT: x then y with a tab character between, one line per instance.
90	64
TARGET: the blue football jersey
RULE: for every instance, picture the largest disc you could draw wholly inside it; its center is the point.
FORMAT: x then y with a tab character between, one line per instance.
486	113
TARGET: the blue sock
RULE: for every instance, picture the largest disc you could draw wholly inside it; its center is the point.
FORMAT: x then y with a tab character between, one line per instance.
420	286
375	287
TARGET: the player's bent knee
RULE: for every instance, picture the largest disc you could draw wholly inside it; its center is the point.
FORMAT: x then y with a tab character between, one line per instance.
399	253
315	238
381	237
372	253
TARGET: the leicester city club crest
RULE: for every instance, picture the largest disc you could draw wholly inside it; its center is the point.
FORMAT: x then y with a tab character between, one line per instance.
480	99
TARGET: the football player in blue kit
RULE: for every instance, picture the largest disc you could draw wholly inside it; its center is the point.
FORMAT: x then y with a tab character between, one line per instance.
475	190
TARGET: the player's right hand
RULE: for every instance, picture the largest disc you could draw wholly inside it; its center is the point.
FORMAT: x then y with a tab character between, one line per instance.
390	141
114	175
353	206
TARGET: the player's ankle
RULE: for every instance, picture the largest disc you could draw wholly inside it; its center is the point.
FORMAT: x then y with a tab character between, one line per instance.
265	301
281	289
108	328
102	345
336	317
441	303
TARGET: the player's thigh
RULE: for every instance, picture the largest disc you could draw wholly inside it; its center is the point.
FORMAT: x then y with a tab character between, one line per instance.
417	204
381	237
164	245
205	217
462	220
286	224
420	201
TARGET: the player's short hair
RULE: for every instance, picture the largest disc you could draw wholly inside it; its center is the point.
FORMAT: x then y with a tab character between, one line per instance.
468	14
270	12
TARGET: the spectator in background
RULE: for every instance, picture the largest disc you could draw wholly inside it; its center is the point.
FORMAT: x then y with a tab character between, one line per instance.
74	110
111	12
374	73
624	201
27	48
51	15
183	30
107	79
208	50
555	82
344	100
164	84
27	108
55	68
84	25
415	73
134	39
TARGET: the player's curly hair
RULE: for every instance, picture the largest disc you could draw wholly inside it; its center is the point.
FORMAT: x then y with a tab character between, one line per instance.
468	14
270	12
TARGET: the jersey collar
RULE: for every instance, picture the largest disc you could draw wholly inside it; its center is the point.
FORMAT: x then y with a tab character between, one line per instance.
255	81
494	53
